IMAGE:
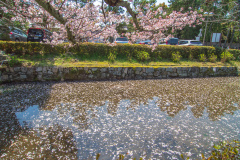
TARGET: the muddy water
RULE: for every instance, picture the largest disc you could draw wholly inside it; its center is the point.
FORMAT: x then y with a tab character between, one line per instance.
157	119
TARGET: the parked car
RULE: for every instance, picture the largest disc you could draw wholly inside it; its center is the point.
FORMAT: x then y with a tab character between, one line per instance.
190	43
148	42
38	35
9	33
170	41
121	40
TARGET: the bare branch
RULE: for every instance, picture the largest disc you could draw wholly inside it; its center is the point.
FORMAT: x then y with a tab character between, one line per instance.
103	11
62	5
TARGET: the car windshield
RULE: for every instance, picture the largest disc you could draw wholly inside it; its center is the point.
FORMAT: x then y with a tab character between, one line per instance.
122	39
173	40
183	42
195	42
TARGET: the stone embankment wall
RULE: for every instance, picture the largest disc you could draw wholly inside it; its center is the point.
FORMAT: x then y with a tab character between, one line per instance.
109	73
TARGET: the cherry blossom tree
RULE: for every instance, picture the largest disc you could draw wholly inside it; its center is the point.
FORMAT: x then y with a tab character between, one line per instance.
78	22
75	22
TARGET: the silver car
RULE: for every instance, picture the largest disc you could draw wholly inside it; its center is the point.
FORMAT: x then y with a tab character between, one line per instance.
121	40
9	33
190	43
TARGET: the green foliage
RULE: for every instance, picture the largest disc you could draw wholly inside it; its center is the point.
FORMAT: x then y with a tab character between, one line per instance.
188	32
143	56
73	70
101	52
112	57
218	51
202	58
226	56
129	51
190	57
212	58
177	5
164	51
225	150
236	53
159	58
14	61
176	56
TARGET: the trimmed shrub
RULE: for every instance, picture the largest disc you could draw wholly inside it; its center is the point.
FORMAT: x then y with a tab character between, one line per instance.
202	58
176	56
124	51
190	57
226	56
212	58
218	51
143	56
111	57
236	53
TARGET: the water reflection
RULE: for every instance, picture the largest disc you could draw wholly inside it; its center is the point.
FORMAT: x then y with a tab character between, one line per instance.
152	119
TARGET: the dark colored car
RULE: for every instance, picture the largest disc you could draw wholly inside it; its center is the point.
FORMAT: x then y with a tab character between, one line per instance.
38	35
8	33
170	41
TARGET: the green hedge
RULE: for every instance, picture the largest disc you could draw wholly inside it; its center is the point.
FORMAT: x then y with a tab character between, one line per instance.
20	48
120	50
236	53
165	51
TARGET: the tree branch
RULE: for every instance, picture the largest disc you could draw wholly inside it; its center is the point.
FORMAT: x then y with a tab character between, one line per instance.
126	5
55	13
13	10
62	5
103	11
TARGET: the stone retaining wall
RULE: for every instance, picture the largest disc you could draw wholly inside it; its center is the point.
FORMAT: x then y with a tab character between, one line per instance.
109	73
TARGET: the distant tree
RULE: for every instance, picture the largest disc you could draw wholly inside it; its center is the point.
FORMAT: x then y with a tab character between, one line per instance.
142	4
222	14
176	5
188	32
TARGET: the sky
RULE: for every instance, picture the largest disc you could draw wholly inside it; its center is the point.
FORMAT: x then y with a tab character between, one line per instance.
161	1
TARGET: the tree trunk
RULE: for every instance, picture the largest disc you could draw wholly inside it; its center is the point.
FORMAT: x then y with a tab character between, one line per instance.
226	39
205	32
232	37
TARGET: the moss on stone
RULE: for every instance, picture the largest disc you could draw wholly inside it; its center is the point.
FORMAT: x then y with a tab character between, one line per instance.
73	70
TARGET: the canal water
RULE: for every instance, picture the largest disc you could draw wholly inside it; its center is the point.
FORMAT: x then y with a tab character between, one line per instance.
152	119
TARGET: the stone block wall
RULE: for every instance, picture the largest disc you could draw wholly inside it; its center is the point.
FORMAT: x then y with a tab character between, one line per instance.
109	73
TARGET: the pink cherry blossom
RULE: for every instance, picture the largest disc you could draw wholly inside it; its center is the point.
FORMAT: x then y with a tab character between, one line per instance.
89	22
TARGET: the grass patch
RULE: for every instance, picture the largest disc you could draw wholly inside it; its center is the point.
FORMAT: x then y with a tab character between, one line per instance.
84	60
